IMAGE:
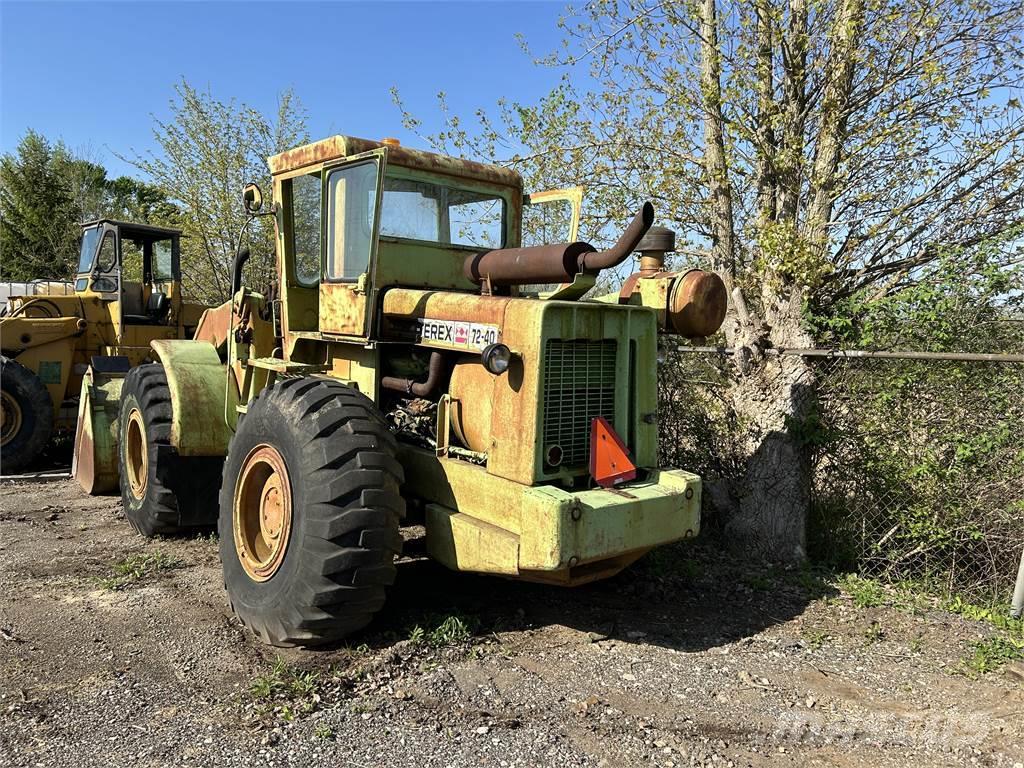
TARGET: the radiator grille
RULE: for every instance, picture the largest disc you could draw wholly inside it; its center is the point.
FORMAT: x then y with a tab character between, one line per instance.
579	384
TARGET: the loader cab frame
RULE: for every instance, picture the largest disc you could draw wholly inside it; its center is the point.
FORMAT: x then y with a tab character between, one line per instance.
137	266
360	222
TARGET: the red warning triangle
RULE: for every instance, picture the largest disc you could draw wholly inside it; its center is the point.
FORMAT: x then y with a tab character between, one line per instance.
609	457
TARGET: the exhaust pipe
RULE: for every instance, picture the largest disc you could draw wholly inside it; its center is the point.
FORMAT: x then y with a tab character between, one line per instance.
435	369
558	263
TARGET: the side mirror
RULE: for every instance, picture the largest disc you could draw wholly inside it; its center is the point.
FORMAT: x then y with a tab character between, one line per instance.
252	198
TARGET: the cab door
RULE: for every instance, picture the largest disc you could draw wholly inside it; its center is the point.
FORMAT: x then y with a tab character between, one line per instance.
351	221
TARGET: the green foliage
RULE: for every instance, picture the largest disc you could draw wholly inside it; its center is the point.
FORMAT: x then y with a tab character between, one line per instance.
38	232
818	639
992	654
324	732
926	147
136	568
46	192
996	616
874	633
443	631
866	593
286	692
208	150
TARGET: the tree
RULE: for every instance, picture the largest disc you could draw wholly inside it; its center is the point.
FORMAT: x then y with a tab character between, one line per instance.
38	226
47	191
208	150
812	152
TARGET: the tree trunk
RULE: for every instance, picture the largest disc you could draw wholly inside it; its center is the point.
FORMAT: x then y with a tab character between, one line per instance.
716	169
764	505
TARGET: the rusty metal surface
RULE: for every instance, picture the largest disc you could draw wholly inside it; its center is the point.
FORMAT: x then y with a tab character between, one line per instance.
627	242
424	388
520	266
342	309
402	305
338	147
557	263
214	325
698	303
472	391
691	304
95	463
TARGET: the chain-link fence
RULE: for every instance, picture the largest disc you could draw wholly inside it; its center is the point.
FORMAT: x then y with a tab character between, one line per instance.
917	464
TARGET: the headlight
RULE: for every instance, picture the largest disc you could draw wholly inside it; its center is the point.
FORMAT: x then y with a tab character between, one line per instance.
496	358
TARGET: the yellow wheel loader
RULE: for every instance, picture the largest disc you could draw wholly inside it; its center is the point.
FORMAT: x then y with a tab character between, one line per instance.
127	293
411	370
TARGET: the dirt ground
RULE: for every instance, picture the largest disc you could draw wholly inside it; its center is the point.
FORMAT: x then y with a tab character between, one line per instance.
685	659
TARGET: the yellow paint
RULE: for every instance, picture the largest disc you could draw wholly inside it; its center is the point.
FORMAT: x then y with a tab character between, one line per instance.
545	532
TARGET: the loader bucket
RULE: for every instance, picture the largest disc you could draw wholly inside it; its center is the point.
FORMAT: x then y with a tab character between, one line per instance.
95	462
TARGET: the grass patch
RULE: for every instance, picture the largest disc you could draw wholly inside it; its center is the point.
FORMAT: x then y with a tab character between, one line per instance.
818	639
284	680
866	593
993	654
443	632
996	617
137	568
758	582
286	692
874	633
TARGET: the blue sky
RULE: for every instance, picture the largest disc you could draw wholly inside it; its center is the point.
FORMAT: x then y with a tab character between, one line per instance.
93	74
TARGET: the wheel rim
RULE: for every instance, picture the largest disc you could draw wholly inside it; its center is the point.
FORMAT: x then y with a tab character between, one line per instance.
136	454
10	418
262	512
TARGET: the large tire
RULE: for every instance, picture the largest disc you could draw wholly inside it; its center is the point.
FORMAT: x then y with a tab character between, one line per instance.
162	493
27	416
309	513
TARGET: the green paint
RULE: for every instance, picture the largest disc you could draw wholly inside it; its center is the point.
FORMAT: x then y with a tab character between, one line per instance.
49	372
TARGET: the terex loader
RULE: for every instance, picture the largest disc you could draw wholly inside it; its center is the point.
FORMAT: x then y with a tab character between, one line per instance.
127	293
405	369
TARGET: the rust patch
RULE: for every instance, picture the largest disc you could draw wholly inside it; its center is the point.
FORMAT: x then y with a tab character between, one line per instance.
338	147
342	309
405	304
698	303
214	325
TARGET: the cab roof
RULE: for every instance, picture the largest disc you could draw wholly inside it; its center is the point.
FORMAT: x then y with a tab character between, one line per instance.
146	229
339	147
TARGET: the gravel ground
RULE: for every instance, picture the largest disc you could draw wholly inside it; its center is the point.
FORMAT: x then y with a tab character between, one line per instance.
686	659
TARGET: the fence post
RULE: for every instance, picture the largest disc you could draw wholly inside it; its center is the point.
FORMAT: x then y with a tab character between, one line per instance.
1018	593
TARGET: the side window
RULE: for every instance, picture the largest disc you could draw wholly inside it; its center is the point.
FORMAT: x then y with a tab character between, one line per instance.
351	206
305	197
108	254
131	260
163	262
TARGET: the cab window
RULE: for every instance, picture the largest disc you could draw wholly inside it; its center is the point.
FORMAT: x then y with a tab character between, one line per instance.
306	205
108	254
163	260
352	196
90	238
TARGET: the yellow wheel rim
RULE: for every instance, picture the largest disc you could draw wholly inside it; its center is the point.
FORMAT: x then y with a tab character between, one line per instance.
136	454
10	418
262	512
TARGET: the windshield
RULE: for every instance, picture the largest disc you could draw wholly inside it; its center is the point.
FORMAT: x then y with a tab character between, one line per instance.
89	239
423	210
